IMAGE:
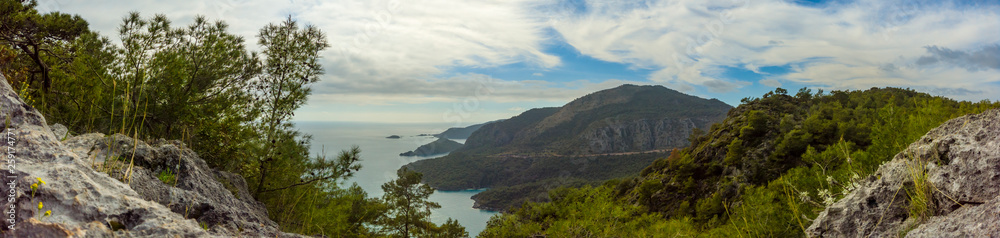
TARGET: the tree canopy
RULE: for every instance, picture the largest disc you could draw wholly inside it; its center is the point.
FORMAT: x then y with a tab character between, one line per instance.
202	85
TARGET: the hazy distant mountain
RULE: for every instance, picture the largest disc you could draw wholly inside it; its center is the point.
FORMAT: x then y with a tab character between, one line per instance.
603	135
459	133
439	146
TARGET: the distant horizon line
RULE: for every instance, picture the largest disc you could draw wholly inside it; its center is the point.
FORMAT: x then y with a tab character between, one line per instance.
464	124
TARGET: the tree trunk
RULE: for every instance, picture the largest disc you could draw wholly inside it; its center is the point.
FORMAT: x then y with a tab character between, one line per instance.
260	181
36	57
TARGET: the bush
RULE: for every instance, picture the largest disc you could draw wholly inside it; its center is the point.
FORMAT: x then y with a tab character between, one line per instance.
167	177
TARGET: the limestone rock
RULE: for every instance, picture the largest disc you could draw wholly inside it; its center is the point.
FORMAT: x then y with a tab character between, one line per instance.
215	198
961	162
59	131
89	203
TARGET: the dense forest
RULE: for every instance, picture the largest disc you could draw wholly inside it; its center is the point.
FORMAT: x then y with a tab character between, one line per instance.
200	84
766	171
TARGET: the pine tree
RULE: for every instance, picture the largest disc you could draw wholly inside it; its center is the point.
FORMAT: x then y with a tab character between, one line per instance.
291	64
409	210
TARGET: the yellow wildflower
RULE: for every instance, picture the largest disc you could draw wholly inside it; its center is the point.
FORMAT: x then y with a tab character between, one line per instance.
40	206
34	187
48	213
40	180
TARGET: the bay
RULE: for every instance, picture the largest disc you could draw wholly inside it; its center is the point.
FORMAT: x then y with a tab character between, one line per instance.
380	160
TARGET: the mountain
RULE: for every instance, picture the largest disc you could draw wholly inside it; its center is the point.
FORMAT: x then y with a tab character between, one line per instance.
604	135
460	132
628	118
439	146
778	163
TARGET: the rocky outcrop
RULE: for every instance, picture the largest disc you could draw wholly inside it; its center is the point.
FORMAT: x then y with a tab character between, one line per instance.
85	202
959	160
217	199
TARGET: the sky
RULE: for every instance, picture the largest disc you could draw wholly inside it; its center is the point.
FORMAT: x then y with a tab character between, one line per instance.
466	62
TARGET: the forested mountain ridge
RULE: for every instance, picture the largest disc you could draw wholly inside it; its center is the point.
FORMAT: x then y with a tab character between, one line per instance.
767	170
603	135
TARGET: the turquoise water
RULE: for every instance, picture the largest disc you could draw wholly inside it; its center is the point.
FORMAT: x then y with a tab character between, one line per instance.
380	159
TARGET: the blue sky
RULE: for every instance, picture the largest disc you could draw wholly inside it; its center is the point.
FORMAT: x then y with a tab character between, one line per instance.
465	62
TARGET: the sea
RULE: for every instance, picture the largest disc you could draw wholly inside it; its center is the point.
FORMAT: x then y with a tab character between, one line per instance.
380	160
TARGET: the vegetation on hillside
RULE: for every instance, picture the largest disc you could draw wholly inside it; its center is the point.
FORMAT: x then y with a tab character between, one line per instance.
766	171
201	85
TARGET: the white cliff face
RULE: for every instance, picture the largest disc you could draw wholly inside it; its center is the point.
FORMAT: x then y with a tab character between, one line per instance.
87	203
961	161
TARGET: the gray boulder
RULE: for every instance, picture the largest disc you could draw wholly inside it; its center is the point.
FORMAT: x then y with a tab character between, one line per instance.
59	131
89	203
961	163
217	199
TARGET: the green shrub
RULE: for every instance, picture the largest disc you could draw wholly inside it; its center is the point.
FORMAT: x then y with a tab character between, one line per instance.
167	177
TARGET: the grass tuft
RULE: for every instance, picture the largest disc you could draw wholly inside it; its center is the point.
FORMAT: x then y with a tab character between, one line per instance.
167	177
919	193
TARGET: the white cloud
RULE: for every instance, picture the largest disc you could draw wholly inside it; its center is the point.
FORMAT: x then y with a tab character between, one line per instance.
844	46
774	83
396	52
753	68
420	38
456	89
382	46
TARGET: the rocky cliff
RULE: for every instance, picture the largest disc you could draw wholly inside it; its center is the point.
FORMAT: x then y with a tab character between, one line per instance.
86	202
955	168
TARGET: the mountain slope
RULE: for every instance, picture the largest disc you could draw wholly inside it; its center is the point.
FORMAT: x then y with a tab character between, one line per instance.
604	135
774	164
627	118
440	146
460	132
